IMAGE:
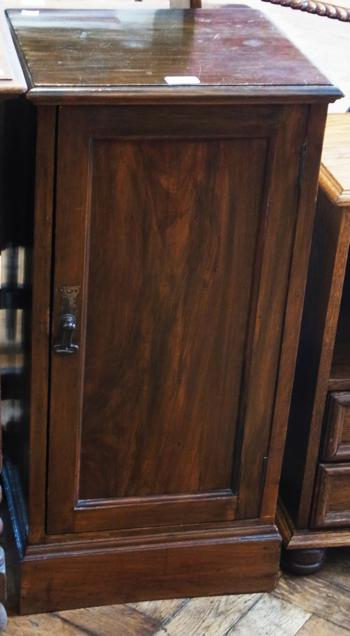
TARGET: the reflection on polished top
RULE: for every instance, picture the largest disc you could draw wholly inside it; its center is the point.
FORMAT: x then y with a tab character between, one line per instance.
232	51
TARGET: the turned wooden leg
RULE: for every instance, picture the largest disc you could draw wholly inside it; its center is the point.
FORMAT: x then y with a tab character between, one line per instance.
303	562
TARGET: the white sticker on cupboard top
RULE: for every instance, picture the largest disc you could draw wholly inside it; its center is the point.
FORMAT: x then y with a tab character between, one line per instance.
30	12
182	80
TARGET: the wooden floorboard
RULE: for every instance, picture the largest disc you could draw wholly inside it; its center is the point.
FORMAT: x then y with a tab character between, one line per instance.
316	626
212	616
337	571
317	596
271	616
162	611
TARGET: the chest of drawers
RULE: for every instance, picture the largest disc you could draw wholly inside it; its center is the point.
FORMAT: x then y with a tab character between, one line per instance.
315	510
176	167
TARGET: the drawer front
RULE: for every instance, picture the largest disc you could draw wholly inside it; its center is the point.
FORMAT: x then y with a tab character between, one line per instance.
332	500
337	439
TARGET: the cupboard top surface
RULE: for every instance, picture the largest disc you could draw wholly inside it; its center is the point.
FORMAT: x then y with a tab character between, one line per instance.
335	171
232	52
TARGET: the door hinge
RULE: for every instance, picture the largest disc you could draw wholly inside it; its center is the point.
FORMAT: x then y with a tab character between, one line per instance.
302	158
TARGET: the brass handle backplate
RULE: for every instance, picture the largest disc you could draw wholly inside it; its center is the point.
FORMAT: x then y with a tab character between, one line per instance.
68	321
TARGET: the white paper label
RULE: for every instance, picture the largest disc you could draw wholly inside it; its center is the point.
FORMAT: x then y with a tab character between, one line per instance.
29	12
184	80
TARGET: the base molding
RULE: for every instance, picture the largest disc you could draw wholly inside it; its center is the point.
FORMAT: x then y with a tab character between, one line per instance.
89	569
298	539
100	575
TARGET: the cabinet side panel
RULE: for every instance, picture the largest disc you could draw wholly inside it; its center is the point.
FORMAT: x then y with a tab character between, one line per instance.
307	189
269	365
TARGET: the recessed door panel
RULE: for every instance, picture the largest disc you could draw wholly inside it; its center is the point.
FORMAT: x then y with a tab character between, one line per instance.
171	254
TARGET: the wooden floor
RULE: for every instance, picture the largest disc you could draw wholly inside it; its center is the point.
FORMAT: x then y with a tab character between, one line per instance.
318	605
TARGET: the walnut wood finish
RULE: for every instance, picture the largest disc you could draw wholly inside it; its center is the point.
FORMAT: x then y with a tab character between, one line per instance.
317	495
337	436
65	62
321	310
194	294
299	539
332	496
200	564
186	229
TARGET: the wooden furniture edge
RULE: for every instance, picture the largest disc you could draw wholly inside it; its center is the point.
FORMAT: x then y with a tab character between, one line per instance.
314	124
82	571
41	295
331	310
298	539
156	95
72	578
333	189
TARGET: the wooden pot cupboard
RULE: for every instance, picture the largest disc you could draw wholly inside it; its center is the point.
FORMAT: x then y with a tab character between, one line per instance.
177	156
315	508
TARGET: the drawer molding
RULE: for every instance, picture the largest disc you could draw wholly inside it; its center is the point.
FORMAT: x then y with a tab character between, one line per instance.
336	444
332	496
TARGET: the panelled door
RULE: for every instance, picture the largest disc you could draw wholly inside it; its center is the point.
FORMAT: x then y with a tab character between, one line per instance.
173	239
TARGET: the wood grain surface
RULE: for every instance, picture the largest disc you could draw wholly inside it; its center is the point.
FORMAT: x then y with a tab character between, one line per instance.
324	598
316	495
314	366
311	606
65	50
187	231
294	608
169	262
337	434
331	499
154	390
335	174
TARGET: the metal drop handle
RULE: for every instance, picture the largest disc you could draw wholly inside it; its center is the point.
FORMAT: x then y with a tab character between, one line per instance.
68	322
